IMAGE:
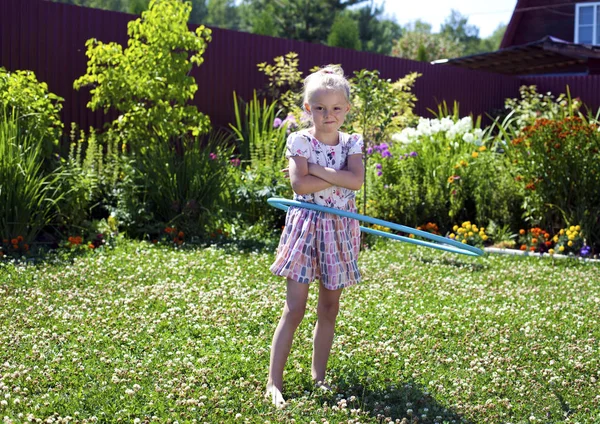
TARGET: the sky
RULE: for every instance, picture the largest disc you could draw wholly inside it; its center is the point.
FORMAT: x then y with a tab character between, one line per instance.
486	15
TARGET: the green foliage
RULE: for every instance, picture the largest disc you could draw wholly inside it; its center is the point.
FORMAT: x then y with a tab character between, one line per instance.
37	108
260	142
377	33
441	171
28	196
532	105
492	43
417	44
294	19
456	27
380	108
557	165
81	175
223	14
344	33
187	186
285	82
148	82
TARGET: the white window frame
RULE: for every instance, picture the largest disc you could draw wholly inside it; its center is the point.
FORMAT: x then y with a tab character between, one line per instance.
595	24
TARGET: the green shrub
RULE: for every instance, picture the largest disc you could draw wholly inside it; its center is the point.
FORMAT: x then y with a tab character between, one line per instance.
28	196
37	108
148	83
557	164
185	187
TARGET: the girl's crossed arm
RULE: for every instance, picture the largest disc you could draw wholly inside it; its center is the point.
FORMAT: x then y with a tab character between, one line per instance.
302	181
351	177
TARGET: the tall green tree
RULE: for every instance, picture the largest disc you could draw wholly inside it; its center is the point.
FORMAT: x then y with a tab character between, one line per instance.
377	33
456	27
492	43
344	33
419	43
222	14
148	82
296	19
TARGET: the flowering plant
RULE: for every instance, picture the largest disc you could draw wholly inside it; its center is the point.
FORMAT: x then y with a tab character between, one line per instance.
469	233
556	164
13	246
570	240
534	240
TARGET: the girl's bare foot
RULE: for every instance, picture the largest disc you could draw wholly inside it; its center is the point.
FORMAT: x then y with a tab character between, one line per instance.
274	395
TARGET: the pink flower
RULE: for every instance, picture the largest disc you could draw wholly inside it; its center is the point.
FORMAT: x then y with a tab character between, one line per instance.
213	156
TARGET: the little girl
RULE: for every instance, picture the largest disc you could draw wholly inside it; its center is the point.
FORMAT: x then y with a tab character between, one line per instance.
326	168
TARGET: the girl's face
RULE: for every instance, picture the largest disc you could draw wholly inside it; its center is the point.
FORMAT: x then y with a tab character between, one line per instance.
328	109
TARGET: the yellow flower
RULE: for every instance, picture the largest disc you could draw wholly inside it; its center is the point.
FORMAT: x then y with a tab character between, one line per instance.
482	149
450	179
470	233
484	237
561	248
572	228
467	224
464	241
455	228
562	232
571	237
452	236
551	251
578	228
555	238
474	155
474	227
570	243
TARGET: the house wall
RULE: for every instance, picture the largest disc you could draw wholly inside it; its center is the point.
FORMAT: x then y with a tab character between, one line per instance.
532	20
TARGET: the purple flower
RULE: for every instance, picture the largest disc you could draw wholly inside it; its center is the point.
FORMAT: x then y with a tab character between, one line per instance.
277	123
370	151
585	250
213	156
413	154
383	146
379	173
378	166
386	154
235	162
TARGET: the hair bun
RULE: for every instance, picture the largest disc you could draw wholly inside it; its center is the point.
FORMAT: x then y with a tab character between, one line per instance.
332	69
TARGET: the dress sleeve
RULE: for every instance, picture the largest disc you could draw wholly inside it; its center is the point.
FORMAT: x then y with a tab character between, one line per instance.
297	145
355	144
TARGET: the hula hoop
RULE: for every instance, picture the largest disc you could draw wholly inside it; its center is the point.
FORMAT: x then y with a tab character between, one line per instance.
441	243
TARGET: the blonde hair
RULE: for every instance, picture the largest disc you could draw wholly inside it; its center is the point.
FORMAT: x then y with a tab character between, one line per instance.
331	77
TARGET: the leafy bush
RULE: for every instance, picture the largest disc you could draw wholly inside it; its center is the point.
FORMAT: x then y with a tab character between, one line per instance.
261	142
37	108
532	106
441	171
185	187
148	83
557	165
28	196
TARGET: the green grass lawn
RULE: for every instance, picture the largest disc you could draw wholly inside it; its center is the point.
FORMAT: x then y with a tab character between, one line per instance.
145	333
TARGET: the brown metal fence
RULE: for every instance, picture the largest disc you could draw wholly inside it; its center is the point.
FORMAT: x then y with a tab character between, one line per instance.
49	39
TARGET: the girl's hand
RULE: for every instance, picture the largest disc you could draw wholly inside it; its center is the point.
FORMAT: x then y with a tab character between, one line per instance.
286	172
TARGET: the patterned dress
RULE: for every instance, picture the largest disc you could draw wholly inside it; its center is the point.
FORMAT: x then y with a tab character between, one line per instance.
320	245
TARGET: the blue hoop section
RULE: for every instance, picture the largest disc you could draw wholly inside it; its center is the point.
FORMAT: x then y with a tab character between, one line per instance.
442	243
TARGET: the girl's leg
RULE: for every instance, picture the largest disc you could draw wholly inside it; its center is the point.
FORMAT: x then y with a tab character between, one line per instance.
293	312
327	310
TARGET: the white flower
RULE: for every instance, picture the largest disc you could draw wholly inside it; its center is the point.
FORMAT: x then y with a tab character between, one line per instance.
468	138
